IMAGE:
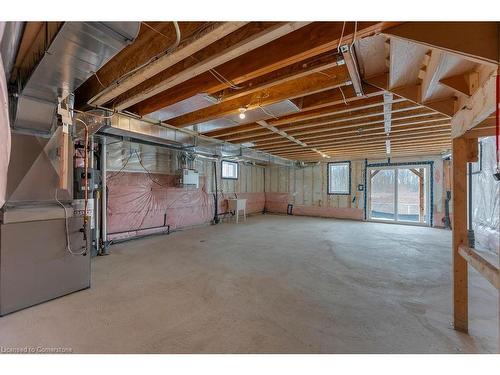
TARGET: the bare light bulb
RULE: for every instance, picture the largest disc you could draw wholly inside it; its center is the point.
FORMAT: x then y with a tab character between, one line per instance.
242	113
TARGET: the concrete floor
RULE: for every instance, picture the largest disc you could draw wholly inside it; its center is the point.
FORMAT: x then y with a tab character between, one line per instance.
275	284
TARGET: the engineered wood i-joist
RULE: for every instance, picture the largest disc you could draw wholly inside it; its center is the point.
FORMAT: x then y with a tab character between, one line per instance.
221	51
305	43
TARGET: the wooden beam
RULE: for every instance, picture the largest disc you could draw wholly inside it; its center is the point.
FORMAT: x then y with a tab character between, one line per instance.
319	133
328	126
489	271
315	64
477	108
379	150
472	150
368	106
63	158
305	43
475	41
460	273
378	130
466	83
360	141
408	132
413	93
153	40
189	47
231	46
343	95
486	128
289	90
301	116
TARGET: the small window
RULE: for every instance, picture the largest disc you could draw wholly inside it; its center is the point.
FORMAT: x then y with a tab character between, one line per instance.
339	178
229	170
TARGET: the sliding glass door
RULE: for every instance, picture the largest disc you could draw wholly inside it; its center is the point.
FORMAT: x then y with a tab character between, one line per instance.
399	194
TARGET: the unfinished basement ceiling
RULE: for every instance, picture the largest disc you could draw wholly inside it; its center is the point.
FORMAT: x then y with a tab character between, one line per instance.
303	91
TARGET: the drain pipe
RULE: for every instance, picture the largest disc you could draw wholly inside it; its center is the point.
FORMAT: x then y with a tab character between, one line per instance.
216	198
104	197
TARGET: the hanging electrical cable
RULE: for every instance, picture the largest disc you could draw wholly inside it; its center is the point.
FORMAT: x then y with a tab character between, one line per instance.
152	59
86	185
66	225
341	37
147	171
86	181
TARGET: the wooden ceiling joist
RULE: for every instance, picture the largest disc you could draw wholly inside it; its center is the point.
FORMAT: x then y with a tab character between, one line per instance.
154	39
439	145
301	116
363	141
335	77
306	43
475	41
219	31
413	93
337	96
379	130
316	64
322	127
241	41
465	84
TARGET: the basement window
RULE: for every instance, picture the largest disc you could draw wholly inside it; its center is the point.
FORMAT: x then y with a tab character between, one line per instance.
229	170
339	178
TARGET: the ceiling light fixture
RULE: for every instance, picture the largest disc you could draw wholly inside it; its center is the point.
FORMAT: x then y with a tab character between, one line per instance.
242	113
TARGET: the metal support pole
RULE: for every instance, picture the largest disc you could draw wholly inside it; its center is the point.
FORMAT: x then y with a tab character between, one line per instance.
104	198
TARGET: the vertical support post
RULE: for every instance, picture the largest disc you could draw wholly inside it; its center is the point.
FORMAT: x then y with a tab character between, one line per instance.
63	158
104	195
460	276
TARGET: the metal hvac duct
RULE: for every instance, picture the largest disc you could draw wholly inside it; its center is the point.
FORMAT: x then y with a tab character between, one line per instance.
78	51
9	44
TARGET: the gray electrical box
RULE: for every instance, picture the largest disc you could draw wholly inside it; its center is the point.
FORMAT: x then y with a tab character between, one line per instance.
188	177
35	265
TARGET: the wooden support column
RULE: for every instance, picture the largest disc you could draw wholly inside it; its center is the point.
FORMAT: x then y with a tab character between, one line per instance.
63	158
460	277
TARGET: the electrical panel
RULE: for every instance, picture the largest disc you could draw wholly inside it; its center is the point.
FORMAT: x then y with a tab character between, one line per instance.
188	177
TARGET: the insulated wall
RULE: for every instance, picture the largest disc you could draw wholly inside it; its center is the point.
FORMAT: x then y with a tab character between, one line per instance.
306	189
486	199
144	197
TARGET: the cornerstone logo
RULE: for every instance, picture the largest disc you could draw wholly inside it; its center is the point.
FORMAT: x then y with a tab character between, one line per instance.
34	350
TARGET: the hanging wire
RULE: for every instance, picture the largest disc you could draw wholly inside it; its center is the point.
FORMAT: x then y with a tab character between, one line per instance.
98	80
95	115
267	112
155	30
121	169
220	77
354	36
147	171
341	37
343	96
66	225
152	59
